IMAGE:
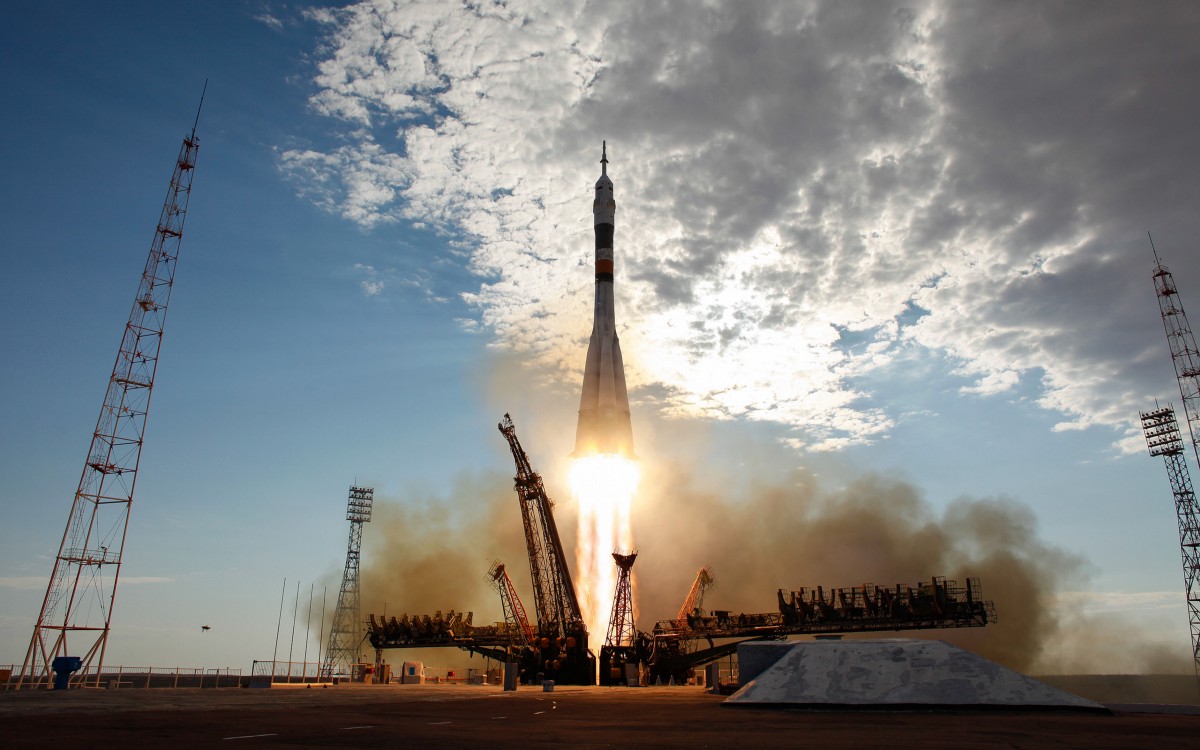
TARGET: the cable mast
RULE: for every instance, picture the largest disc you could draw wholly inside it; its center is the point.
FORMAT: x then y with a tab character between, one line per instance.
77	610
346	633
1162	438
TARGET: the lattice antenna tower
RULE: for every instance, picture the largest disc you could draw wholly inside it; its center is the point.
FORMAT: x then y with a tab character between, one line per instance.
1185	357
346	633
1163	439
1184	354
621	631
76	613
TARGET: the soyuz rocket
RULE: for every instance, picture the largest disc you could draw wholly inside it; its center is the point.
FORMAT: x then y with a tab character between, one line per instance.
604	426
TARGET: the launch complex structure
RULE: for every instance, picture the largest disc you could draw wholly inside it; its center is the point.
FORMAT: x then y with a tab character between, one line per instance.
555	645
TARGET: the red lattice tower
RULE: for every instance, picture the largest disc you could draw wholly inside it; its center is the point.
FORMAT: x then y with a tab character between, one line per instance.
621	630
77	610
1184	355
1158	425
515	618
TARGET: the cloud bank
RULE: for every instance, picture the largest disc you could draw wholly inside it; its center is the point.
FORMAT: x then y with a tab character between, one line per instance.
808	193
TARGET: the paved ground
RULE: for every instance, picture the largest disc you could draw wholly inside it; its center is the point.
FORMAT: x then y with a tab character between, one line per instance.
485	717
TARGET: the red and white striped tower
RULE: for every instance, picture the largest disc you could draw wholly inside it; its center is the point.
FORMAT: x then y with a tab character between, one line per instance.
77	611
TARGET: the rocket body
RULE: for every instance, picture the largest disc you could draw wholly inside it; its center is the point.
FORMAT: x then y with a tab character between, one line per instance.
604	426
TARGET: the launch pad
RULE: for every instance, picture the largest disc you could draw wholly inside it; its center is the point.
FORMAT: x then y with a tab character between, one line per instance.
555	646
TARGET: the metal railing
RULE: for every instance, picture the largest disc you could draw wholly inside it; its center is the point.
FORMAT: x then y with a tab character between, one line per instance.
284	672
130	677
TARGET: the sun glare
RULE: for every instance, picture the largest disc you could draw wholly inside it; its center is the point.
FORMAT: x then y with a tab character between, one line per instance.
604	487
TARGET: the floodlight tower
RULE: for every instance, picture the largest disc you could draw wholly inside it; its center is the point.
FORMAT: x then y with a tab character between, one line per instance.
77	610
346	633
1162	438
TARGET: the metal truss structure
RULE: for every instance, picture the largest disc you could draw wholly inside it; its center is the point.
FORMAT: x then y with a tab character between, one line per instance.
563	653
515	619
1163	439
1185	357
621	629
864	609
76	614
346	633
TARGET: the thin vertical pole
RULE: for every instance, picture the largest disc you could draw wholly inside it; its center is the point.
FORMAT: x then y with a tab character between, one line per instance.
291	645
307	632
278	624
321	635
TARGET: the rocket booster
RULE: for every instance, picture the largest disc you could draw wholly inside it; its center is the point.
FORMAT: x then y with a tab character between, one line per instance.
604	425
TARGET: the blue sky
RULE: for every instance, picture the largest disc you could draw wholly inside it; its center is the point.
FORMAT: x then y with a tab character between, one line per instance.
905	246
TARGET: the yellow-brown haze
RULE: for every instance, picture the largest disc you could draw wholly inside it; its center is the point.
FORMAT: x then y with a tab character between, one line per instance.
425	552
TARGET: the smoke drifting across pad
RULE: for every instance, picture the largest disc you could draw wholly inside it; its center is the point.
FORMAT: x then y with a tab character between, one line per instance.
891	673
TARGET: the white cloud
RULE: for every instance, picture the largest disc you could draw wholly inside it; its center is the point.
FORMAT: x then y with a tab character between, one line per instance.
24	583
269	21
784	172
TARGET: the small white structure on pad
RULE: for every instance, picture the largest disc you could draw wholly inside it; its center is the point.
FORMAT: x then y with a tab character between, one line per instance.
412	673
887	673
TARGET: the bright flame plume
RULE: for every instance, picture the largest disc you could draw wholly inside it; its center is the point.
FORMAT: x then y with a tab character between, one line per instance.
604	486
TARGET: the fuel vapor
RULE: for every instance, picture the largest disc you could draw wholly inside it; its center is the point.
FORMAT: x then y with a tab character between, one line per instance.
603	475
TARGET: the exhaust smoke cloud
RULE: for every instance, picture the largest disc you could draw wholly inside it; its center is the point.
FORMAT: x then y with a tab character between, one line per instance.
424	552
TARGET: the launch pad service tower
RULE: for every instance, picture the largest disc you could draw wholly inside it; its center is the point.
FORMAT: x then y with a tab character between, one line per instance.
604	473
604	426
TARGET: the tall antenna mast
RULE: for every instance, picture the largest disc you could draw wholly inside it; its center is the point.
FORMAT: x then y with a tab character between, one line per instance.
77	610
1184	354
200	107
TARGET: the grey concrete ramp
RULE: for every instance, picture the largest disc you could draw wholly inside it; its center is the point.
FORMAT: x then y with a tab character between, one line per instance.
888	674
